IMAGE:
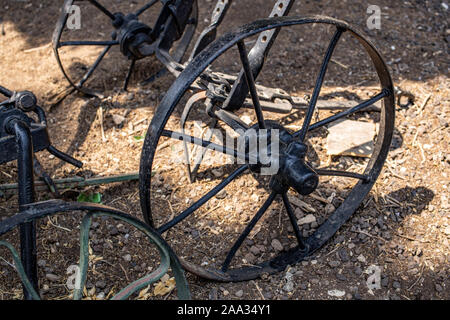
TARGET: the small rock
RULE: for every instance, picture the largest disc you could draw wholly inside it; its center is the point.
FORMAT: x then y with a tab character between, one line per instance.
100	284
298	213
118	119
222	194
41	263
52	277
343	255
276	244
114	231
130	96
289	286
239	293
268	295
217	173
127	257
329	208
396	285
356	296
361	258
213	294
250	258
341	277
303	286
336	293
358	271
255	250
307	220
334	264
438	287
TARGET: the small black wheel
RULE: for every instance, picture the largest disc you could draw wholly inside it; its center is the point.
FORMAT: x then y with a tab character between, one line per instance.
81	53
228	222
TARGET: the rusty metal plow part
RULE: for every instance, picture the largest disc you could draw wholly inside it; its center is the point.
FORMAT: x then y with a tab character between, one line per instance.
35	211
298	176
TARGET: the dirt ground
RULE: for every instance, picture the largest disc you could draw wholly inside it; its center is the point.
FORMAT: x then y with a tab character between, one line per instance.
402	228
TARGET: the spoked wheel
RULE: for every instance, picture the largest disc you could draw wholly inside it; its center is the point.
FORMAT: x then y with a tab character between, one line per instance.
40	210
277	203
80	53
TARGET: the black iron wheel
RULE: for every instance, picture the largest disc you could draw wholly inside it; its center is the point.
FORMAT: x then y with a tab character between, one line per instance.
80	73
222	223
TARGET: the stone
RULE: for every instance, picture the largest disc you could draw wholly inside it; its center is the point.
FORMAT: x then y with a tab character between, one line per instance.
222	194
217	173
396	285
307	220
336	293
358	271
276	244
127	257
351	138
213	294
52	277
118	119
361	258
239	293
255	250
41	263
343	255
289	286
250	258
329	208
341	277
334	264
100	284
114	231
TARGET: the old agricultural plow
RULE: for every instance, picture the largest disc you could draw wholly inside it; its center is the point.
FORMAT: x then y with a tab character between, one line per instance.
279	197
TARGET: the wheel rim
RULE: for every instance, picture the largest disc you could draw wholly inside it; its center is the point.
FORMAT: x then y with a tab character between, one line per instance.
344	211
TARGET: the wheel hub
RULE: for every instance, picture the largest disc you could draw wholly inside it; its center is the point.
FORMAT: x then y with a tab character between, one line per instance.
132	34
293	169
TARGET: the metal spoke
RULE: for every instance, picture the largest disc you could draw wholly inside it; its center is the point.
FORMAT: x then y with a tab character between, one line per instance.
293	221
203	200
94	66
146	7
87	43
102	9
347	112
130	72
337	173
7	93
200	157
209	145
247	230
251	84
319	83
